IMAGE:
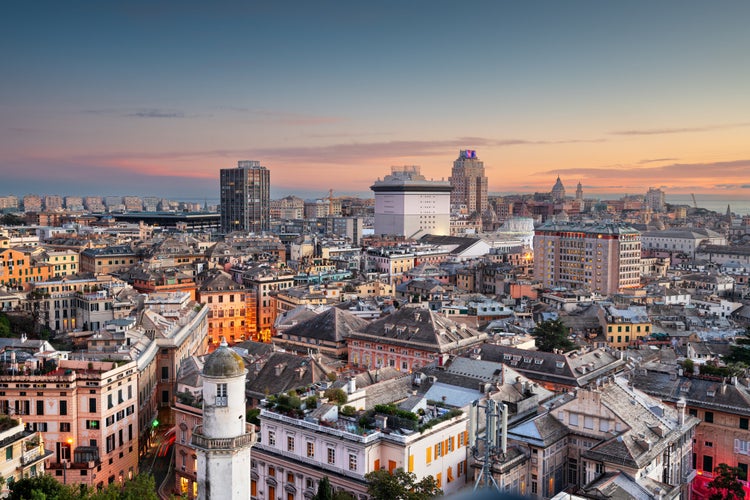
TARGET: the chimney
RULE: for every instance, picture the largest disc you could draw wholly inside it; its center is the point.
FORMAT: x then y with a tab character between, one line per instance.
681	412
351	386
381	421
278	369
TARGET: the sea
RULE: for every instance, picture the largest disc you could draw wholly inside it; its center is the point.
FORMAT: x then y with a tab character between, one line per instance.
716	203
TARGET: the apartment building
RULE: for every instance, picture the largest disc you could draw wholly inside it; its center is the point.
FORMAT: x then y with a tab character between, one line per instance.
408	339
723	407
107	260
76	301
603	258
24	452
292	454
231	309
603	434
624	327
19	270
260	281
86	412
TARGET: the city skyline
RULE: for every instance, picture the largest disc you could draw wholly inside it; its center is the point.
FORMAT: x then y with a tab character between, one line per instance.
157	99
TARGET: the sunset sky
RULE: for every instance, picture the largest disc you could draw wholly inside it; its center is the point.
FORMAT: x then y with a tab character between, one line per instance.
153	98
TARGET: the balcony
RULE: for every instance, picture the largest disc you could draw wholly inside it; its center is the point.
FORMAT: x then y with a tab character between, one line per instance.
34	455
206	443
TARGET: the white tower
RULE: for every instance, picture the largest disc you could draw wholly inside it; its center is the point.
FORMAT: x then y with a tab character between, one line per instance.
224	440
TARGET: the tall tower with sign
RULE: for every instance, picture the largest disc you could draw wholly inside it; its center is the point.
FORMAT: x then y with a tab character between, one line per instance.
469	182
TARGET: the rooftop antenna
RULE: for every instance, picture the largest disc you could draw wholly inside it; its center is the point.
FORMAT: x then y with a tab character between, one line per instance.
489	444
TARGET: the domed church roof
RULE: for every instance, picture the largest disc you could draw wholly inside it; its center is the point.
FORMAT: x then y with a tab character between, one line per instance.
223	362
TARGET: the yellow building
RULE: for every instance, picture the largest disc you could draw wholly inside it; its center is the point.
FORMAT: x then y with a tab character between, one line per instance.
624	327
61	262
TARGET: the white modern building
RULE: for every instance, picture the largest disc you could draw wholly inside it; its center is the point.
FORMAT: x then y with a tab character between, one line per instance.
408	204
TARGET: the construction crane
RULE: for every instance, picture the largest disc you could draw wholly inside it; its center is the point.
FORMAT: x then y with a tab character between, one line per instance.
331	199
695	203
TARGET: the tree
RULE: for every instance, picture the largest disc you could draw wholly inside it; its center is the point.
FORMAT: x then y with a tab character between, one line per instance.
336	395
4	326
400	485
42	486
740	352
141	487
325	492
726	483
552	334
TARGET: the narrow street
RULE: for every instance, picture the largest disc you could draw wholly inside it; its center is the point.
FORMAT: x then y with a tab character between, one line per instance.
158	459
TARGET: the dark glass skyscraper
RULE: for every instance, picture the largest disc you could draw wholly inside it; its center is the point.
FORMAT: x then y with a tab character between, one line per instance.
245	198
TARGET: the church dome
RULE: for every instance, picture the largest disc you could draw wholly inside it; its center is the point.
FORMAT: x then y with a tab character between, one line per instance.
223	362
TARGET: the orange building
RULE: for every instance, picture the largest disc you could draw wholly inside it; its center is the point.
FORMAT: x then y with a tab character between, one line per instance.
17	269
163	280
261	281
231	310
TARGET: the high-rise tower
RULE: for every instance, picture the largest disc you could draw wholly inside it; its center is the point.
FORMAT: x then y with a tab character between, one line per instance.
469	182
245	198
223	441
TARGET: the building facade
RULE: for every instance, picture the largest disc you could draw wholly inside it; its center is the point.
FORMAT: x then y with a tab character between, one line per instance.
407	204
602	258
245	198
469	182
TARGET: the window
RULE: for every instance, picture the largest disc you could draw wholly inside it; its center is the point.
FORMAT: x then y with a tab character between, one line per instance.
588	422
9	453
352	462
574	419
693	412
331	456
741	447
290	443
310	449
63	407
708	417
743	471
708	444
272	438
164	372
221	395
64	426
110	404
92	424
40	407
743	424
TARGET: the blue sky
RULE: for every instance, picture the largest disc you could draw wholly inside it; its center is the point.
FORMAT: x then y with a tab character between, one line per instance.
155	97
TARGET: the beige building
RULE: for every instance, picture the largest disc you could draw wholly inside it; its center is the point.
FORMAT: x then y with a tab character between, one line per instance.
86	412
24	452
604	258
